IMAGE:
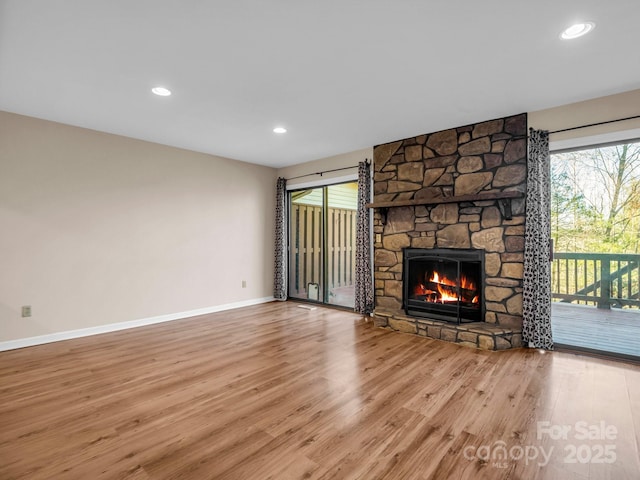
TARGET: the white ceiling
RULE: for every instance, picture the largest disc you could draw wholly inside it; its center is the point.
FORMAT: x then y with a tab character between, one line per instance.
339	74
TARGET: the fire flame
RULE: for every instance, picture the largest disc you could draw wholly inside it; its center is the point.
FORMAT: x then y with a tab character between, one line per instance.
465	282
446	296
444	292
422	290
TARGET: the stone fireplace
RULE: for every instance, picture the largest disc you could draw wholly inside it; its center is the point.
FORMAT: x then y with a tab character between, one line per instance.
452	199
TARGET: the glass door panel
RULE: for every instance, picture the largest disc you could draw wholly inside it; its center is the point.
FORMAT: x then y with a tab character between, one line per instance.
342	201
306	261
595	227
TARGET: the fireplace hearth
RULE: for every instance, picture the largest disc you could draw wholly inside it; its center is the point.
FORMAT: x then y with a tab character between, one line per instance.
444	284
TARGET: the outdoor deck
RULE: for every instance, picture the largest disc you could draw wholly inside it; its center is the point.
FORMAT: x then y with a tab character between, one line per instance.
610	330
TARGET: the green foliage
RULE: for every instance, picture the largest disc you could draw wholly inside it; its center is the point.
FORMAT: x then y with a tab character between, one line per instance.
595	200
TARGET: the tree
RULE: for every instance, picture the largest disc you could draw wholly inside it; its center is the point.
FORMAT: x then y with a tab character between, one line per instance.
596	199
619	167
567	206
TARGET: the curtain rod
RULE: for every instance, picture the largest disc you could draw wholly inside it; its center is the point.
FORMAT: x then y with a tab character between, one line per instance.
327	171
594	124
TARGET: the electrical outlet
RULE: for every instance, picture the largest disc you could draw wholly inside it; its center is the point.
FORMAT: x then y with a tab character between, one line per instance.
244	284
26	311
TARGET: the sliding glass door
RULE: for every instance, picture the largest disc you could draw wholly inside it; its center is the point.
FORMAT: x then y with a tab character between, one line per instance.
595	226
322	243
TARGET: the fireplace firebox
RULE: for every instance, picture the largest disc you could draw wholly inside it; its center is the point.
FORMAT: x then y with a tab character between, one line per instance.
444	284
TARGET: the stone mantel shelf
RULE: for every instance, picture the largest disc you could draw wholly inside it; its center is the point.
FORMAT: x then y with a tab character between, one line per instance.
505	198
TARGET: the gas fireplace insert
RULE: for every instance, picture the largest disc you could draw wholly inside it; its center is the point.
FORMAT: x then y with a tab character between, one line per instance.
444	284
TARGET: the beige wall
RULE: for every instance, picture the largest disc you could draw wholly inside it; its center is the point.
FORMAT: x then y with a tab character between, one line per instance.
99	229
339	161
612	107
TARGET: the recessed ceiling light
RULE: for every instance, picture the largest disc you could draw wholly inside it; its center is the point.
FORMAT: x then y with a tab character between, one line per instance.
577	30
163	92
279	130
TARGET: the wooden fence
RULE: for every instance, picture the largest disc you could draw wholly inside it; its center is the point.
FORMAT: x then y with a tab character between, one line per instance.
306	262
602	279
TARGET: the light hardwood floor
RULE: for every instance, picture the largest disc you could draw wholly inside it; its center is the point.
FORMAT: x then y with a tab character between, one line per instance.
277	392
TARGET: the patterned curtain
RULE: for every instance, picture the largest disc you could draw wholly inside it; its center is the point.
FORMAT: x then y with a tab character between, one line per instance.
280	270
536	304
364	281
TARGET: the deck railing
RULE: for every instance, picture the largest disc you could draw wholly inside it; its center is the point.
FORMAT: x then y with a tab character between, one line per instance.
603	279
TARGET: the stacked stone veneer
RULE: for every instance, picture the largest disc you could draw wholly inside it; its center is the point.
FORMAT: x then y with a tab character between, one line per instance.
481	158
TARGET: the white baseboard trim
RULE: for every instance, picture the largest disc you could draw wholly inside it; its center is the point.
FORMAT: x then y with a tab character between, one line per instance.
114	327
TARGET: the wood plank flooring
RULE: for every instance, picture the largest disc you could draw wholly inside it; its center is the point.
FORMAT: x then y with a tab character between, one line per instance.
278	392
